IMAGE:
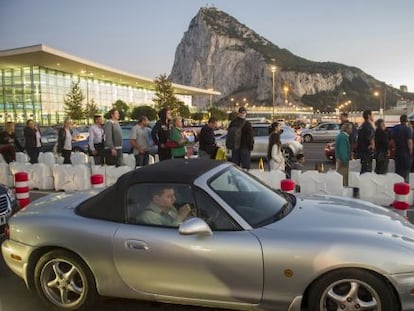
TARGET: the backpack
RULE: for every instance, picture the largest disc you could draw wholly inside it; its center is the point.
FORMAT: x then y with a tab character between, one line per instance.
234	136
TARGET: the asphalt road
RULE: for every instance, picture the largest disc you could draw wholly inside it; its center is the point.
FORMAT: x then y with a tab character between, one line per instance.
14	296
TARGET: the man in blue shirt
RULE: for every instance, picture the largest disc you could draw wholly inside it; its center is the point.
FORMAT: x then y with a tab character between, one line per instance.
366	143
403	140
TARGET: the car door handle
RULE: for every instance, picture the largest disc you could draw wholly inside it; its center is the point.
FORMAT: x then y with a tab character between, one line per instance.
136	245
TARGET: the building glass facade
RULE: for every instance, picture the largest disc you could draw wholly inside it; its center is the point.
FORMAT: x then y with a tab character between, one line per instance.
38	93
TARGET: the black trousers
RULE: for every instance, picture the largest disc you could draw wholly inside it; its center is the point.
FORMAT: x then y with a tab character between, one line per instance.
366	162
164	153
66	156
33	154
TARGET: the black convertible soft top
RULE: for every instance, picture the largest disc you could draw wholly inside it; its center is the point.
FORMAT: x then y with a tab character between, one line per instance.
110	204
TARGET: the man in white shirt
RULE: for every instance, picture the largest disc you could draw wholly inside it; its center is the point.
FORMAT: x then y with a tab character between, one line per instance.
96	140
139	138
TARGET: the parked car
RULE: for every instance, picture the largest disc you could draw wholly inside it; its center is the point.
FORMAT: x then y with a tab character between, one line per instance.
291	145
8	205
246	246
82	145
48	137
321	132
80	133
329	150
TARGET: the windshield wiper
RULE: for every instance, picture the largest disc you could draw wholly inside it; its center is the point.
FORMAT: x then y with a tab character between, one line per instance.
284	210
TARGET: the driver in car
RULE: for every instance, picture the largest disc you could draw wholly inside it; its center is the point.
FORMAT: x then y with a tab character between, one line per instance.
161	209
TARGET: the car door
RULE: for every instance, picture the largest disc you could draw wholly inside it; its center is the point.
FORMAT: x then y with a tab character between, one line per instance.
333	131
320	132
224	266
261	141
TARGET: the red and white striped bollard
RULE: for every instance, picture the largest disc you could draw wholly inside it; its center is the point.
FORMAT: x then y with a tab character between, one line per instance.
401	204
97	181
287	185
21	181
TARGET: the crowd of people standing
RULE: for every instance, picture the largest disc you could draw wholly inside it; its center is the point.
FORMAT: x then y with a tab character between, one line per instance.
374	141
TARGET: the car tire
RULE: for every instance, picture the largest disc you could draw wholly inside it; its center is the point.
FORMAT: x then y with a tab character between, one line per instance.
64	282
350	289
307	138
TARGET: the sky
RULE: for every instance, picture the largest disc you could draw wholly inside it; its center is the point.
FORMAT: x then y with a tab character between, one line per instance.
141	37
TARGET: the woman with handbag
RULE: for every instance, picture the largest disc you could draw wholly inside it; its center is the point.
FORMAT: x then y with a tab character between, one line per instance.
179	138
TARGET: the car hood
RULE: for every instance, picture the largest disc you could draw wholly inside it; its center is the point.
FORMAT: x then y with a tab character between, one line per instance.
340	232
339	215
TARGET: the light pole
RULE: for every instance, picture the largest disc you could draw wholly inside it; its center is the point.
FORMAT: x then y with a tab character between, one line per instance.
339	95
286	90
273	92
377	94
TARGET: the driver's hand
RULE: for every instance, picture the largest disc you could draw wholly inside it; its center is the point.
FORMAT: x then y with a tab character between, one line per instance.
183	212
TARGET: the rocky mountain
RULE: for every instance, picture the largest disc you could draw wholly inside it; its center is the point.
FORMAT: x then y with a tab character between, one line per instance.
219	52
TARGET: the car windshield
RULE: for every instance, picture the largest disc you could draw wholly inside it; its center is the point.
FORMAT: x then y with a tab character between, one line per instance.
254	202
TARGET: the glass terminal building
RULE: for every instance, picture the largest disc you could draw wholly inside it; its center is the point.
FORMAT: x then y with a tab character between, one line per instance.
34	81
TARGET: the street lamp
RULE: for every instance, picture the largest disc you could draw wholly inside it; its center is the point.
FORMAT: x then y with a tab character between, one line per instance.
339	95
377	94
273	91
286	90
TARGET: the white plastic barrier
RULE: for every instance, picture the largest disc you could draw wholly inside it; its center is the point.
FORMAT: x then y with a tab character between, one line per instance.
353	179
72	177
22	157
111	173
16	167
2	159
313	182
91	160
270	178
129	160
294	175
47	158
355	165
6	177
334	183
378	189
77	158
151	159
391	166
42	176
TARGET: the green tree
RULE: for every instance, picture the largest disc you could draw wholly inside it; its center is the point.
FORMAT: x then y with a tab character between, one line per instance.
198	116
183	110
218	113
164	95
73	102
91	109
122	107
147	111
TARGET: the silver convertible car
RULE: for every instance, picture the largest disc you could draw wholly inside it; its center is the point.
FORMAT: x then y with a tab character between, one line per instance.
203	232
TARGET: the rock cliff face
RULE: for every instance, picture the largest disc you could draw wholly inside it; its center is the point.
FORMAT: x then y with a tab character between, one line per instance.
219	52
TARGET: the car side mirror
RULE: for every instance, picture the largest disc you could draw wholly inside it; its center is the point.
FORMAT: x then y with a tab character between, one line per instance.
194	226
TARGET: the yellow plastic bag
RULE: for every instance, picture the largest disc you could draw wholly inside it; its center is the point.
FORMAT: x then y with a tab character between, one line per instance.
221	154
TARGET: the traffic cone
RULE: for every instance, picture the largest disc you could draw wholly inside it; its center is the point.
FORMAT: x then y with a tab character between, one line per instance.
261	165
